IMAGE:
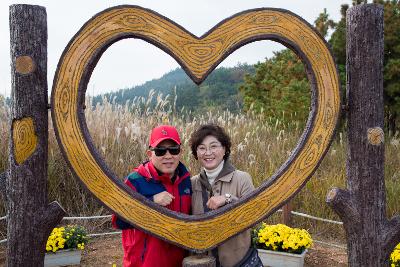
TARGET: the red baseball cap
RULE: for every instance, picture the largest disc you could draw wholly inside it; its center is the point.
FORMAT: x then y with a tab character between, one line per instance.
164	132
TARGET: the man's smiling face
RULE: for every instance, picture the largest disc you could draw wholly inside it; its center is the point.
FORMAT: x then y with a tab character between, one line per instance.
168	162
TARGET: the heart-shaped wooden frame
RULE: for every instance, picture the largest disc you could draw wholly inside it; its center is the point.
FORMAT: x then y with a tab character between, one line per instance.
198	56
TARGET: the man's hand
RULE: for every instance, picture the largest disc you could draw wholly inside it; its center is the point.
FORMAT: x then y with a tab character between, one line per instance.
164	198
215	202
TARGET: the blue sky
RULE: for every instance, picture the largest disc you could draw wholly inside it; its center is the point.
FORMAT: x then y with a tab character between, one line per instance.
132	62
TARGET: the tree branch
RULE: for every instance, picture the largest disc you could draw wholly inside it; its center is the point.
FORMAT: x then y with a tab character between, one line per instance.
52	214
391	235
49	217
342	203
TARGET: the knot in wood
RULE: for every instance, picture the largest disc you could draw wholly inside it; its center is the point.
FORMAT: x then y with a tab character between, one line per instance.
24	65
24	138
375	136
331	195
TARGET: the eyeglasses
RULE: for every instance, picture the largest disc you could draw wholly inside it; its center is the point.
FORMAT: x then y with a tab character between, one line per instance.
203	149
161	151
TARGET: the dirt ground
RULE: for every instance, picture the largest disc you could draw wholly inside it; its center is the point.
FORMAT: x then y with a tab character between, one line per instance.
106	251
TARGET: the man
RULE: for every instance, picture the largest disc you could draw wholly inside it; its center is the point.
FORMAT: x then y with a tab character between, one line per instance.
166	181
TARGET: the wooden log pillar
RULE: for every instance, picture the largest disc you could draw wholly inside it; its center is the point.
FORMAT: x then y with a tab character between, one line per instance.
3	179
30	218
287	214
199	261
362	207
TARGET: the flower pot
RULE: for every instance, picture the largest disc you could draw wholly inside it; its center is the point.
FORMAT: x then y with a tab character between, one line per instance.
281	259
63	257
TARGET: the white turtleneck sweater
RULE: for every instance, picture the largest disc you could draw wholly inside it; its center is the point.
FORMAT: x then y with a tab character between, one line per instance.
212	174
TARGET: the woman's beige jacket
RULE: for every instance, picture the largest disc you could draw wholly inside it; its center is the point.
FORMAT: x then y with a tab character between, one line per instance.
234	182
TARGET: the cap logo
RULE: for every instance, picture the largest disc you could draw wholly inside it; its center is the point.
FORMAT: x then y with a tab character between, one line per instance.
164	132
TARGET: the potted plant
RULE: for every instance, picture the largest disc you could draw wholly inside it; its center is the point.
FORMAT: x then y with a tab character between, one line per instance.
64	246
395	257
281	245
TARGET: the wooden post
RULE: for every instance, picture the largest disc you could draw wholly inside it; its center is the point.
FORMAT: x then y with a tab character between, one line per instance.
287	214
30	218
370	236
3	179
199	261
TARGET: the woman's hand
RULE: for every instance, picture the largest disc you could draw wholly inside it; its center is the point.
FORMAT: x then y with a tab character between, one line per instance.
164	198
215	202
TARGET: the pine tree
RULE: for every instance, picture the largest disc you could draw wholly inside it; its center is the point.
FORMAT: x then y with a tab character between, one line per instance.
323	23
279	88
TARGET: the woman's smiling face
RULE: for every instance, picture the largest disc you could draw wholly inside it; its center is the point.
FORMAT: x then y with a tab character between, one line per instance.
210	152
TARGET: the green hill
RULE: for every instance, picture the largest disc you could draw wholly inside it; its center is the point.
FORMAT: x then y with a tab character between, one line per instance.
219	90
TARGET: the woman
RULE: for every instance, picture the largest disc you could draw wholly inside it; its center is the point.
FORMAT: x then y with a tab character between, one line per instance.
218	184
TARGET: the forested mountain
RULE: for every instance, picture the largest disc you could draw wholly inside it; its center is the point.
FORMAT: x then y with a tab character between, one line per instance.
219	90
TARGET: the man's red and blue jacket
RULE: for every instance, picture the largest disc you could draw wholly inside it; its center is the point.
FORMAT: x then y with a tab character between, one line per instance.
142	249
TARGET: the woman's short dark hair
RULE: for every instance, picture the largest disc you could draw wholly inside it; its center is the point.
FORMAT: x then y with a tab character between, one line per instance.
214	130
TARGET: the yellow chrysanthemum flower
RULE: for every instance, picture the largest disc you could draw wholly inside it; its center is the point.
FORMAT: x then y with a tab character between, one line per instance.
395	257
280	237
66	238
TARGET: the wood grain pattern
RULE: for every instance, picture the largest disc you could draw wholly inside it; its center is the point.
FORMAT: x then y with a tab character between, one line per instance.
198	56
375	136
25	139
24	65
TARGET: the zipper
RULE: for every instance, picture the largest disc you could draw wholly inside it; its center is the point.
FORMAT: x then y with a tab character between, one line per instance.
180	203
144	248
174	188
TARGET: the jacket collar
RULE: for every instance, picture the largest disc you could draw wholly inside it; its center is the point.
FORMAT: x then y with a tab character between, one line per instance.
148	171
222	176
227	169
